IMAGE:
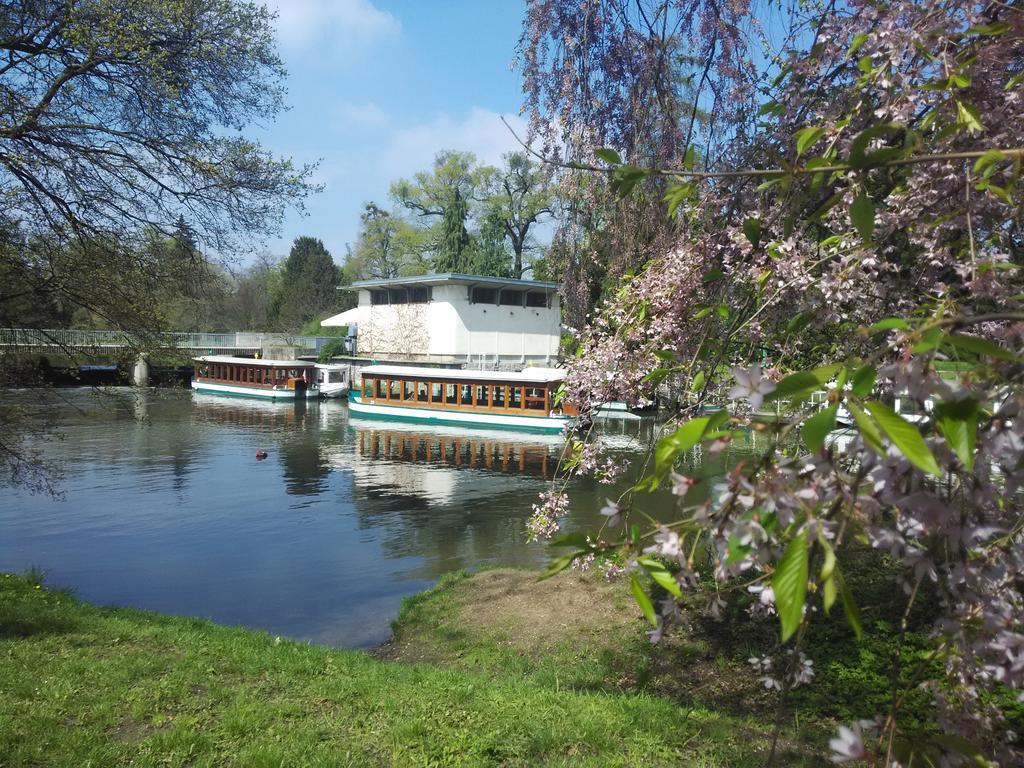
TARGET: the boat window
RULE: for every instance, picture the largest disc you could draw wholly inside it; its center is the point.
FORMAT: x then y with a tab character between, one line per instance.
396	389
498	396
535	398
367	387
481	394
515	397
421	391
382	388
435	392
511	299
204	370
408	390
484	296
451	393
535	299
336	377
466	394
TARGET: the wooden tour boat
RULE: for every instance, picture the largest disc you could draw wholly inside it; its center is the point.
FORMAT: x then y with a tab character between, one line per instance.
253	377
509	399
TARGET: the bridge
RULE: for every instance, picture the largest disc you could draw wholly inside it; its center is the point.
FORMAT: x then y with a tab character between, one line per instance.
246	342
78	342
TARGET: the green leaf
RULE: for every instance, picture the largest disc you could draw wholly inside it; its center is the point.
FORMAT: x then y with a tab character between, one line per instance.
849	606
968	116
889	324
958	422
905	437
816	428
863	380
640	595
1014	82
856	44
862	214
559	564
680	441
798	385
698	382
980	347
666	580
867	429
859	155
806	137
988	161
752	229
789	582
828	582
610	156
929	341
577	539
996	28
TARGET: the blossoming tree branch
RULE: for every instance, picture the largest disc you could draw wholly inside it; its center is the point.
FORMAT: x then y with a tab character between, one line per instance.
877	255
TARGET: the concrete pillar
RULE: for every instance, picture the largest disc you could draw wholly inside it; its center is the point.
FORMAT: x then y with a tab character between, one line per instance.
140	372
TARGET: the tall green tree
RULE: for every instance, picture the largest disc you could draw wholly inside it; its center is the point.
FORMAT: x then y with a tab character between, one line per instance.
309	283
440	201
387	246
519	197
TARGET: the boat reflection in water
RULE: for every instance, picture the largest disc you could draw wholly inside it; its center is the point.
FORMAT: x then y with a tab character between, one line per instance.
533	456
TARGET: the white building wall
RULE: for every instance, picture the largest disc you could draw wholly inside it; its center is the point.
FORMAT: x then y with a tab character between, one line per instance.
450	327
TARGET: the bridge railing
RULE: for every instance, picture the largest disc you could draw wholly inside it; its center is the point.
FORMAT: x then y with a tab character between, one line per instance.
78	339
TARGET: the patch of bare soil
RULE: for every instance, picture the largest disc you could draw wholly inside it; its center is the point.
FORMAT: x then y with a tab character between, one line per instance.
130	731
535	615
516	609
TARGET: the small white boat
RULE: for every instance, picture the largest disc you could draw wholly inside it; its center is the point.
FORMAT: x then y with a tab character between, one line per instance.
332	379
254	377
507	399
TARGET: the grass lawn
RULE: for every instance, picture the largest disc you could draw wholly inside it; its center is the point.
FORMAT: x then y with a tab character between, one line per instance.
82	685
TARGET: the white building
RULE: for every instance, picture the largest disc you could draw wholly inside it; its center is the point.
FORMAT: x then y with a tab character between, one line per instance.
454	318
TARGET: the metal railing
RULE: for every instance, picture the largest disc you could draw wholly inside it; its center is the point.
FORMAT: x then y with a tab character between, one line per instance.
76	339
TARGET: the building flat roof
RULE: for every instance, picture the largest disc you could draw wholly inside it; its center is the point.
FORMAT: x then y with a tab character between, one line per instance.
454	277
539	375
254	361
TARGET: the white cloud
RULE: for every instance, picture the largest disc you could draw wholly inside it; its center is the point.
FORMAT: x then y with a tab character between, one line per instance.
480	132
367	115
338	23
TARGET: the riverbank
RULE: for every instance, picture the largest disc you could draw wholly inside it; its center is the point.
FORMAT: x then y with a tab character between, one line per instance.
82	684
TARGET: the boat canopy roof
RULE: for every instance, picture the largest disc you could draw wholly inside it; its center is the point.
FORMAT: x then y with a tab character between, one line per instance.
527	375
254	361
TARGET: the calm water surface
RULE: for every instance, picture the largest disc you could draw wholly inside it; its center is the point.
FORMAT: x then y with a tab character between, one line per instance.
164	506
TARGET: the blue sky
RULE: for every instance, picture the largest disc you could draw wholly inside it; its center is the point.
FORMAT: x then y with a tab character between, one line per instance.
377	88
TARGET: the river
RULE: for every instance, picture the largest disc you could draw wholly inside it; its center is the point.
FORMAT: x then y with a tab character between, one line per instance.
163	505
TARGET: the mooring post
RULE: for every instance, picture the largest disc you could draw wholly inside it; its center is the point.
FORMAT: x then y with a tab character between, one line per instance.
140	372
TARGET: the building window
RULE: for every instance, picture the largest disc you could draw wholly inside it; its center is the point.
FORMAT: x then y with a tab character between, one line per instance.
511	299
484	296
420	295
378	297
534	299
398	296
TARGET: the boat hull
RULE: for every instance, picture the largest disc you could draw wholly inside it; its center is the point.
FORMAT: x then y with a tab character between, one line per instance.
333	390
438	416
257	392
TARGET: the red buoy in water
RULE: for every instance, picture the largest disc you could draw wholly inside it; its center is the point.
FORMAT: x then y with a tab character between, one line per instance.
261	454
